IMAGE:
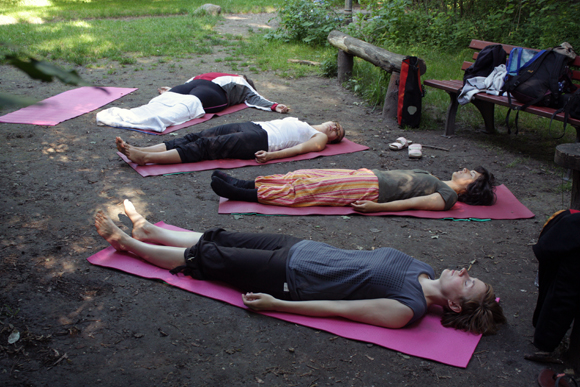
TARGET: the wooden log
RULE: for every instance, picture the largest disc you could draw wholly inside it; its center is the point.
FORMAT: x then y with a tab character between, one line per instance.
389	61
304	61
391	98
568	156
345	63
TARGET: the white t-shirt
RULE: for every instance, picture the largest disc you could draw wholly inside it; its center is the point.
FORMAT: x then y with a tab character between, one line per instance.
286	133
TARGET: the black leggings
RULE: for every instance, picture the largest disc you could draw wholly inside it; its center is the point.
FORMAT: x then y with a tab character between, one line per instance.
229	141
213	98
251	262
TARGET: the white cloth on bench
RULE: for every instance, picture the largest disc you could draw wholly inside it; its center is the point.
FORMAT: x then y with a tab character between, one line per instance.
162	111
491	84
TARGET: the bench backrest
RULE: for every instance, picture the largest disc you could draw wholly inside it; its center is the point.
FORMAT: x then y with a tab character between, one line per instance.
478	45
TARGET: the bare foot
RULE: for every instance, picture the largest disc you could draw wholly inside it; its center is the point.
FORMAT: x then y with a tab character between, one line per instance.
121	145
110	232
142	229
135	155
163	89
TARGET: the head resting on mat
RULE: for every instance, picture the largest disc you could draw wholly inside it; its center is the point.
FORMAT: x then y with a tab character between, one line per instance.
471	303
475	187
333	129
249	81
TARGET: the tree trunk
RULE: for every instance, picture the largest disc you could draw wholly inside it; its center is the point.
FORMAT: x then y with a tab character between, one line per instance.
380	57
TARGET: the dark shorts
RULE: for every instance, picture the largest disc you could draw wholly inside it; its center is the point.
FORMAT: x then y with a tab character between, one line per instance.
251	262
230	141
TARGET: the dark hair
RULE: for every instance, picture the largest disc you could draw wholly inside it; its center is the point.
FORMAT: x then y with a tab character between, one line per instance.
482	191
477	316
249	81
341	133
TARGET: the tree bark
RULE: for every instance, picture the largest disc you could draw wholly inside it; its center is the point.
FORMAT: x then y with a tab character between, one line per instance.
380	57
345	64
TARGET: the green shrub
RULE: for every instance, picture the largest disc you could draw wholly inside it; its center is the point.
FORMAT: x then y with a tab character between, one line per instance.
309	21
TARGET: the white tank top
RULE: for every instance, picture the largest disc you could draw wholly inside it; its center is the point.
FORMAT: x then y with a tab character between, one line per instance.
286	133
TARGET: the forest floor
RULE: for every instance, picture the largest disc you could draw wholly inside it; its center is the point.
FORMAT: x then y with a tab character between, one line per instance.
85	325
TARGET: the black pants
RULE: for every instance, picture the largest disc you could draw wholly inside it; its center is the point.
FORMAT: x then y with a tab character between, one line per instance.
250	262
558	253
213	98
229	141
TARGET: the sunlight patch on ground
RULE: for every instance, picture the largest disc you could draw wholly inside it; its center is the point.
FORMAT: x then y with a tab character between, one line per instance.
53	148
273	86
35	3
256	25
20	17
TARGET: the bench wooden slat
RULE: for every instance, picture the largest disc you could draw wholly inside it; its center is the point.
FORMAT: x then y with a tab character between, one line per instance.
455	86
575	73
480	44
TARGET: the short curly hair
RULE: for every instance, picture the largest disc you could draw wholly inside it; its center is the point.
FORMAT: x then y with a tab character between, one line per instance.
482	191
477	316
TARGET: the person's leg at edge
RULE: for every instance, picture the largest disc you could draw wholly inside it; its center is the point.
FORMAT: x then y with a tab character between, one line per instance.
248	184
229	191
144	231
166	257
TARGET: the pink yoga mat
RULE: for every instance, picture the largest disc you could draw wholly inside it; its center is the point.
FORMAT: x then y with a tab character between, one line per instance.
506	207
345	146
207	116
65	106
427	338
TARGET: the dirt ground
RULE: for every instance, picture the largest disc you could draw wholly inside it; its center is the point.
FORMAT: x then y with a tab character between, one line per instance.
85	325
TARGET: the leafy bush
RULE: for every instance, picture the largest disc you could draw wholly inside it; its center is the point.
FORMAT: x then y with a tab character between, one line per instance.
452	23
309	21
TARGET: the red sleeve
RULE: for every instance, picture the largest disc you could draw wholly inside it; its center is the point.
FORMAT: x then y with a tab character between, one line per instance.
273	107
212	76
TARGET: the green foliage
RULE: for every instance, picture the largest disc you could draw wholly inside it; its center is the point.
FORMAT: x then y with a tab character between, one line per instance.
453	23
309	21
329	67
40	70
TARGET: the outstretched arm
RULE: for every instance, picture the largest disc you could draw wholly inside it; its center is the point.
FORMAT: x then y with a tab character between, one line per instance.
381	312
433	202
316	143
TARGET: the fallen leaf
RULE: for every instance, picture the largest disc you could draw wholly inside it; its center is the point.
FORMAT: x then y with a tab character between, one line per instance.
14	337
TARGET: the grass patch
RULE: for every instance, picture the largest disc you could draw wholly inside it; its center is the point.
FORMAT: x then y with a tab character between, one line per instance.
83	42
42	11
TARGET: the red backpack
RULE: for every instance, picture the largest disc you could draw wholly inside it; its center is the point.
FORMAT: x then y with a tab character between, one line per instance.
410	93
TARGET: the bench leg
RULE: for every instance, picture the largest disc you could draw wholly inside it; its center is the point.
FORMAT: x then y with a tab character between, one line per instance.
577	133
345	64
486	109
575	197
451	114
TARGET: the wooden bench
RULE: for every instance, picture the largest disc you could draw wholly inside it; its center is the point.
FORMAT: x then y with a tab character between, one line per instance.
485	102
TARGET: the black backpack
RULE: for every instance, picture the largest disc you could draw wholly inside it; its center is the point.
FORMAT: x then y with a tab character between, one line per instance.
540	82
570	106
488	59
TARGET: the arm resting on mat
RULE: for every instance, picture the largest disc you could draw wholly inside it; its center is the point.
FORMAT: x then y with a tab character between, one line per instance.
433	202
316	143
381	311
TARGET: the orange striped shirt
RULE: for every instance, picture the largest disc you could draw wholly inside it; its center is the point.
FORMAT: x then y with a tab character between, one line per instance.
318	187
